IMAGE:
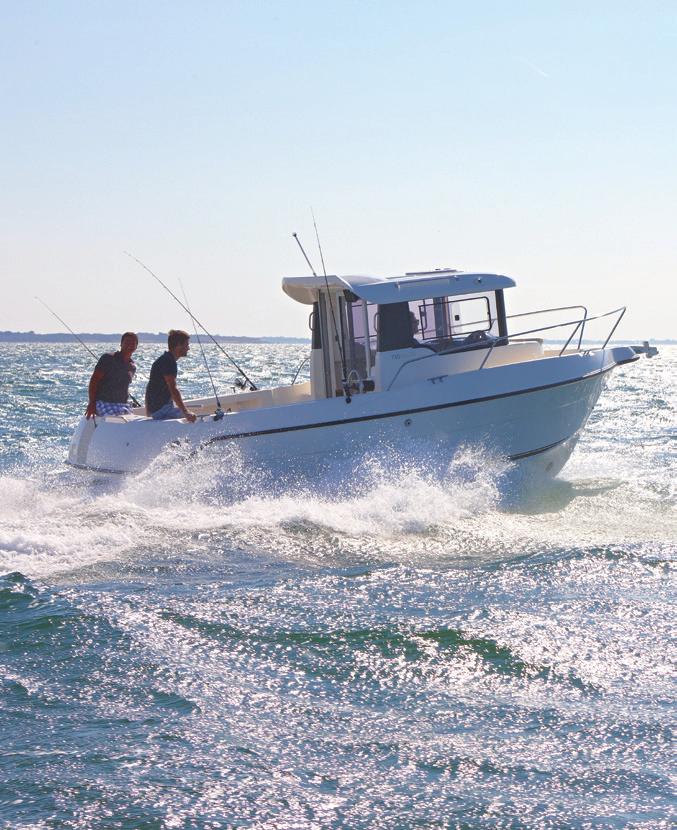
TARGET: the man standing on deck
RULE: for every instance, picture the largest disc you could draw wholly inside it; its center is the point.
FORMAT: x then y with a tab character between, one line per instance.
163	399
112	375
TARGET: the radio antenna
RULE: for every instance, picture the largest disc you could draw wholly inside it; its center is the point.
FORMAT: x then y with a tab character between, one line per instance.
310	265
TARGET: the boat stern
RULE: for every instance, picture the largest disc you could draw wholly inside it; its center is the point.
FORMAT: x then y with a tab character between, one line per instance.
79	445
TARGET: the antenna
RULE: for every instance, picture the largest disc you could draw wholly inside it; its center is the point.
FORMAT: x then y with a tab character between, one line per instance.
310	265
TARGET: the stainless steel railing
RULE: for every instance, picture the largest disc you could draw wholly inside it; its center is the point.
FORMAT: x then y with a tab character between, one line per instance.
578	328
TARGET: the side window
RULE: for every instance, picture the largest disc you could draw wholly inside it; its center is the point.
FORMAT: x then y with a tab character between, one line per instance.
396	326
314	324
471	314
359	335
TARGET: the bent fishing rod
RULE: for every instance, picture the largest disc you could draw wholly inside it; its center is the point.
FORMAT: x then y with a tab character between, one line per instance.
67	327
219	412
81	342
193	318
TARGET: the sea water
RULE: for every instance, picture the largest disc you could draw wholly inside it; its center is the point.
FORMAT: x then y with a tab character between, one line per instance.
395	644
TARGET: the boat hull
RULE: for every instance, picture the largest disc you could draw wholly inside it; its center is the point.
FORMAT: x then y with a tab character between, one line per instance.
531	413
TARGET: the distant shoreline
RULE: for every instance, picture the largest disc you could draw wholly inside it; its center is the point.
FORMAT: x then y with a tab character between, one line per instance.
161	337
144	337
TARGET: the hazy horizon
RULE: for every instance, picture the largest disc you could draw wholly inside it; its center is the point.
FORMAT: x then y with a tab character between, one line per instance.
104	337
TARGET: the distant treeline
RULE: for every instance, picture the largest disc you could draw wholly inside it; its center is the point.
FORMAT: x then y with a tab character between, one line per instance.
161	337
144	337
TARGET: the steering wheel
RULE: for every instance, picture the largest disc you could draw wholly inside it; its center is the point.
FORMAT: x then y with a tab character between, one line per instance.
476	337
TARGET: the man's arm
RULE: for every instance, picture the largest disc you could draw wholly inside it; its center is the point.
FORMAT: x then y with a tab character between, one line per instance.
94	381
170	380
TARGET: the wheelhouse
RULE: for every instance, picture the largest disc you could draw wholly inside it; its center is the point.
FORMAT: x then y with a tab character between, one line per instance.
365	328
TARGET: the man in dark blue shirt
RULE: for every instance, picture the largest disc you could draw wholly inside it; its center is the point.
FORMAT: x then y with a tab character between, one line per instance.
112	375
163	399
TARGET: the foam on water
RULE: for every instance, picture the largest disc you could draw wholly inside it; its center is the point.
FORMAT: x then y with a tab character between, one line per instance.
385	506
45	530
56	524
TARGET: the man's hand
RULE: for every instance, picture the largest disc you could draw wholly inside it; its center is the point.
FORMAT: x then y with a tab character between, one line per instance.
94	381
170	380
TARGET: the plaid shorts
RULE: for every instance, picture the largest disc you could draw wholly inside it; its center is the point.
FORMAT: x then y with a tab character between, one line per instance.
107	408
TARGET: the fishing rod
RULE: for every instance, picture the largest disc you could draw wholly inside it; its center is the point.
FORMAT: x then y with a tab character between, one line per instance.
81	342
193	318
67	327
319	245
344	379
219	412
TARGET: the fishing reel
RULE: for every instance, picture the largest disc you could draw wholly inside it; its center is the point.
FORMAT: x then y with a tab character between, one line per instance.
353	384
243	384
218	415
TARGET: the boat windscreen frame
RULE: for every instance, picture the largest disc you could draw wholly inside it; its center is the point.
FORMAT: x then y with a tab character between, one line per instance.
437	322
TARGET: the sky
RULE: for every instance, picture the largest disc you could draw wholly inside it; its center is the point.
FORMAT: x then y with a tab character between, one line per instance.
534	139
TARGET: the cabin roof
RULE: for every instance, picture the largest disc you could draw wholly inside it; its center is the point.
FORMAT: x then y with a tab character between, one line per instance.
383	290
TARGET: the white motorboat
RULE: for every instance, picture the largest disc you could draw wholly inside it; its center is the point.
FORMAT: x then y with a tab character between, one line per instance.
426	356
